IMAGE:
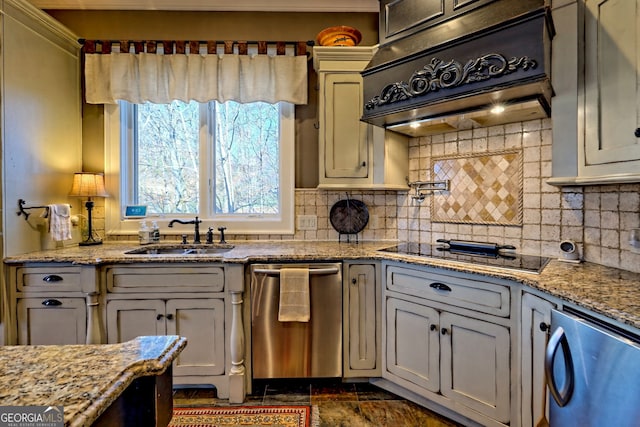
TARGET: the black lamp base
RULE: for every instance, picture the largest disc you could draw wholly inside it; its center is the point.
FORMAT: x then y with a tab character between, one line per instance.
90	240
90	243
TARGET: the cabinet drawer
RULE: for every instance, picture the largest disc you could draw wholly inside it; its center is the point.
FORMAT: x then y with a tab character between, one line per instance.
45	279
154	278
467	292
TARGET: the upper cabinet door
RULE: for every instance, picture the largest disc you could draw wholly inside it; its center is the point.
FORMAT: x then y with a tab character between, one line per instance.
346	149
612	82
596	79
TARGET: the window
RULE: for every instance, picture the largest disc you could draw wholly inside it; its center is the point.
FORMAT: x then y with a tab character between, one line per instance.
230	164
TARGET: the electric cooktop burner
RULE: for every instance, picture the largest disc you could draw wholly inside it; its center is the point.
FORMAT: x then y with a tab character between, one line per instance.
498	259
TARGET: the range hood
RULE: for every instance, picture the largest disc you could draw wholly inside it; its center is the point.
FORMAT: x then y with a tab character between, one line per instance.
438	70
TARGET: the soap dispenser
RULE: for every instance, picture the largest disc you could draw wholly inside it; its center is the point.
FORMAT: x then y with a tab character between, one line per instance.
155	232
144	234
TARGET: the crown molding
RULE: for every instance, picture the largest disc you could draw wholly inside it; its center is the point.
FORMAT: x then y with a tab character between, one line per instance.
215	5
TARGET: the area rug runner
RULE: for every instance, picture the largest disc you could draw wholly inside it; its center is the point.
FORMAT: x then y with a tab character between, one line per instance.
254	416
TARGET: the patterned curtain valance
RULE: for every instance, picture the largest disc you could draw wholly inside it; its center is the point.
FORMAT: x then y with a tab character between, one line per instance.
164	71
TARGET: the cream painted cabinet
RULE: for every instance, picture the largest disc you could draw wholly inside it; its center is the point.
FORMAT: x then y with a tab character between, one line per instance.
174	299
52	303
536	318
51	320
200	320
361	320
412	345
447	338
353	154
596	78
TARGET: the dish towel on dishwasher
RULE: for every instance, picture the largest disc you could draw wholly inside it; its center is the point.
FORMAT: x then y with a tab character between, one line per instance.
294	295
60	222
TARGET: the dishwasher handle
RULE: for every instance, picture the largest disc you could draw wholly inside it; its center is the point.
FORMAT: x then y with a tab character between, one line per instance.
312	271
558	340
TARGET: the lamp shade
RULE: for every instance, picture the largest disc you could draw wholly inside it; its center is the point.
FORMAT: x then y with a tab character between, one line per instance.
88	184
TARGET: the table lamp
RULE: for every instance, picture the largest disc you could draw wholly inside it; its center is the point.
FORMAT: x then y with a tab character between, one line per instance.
88	184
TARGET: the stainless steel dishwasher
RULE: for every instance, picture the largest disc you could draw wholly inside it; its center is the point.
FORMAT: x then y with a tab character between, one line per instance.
297	349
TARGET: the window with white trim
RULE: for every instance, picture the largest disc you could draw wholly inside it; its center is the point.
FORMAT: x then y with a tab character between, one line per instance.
230	164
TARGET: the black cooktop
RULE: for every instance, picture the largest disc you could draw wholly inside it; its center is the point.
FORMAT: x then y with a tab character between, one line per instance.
500	259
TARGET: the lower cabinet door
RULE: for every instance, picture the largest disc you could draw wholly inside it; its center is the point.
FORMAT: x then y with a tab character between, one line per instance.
536	318
412	345
361	321
475	365
201	321
128	319
52	321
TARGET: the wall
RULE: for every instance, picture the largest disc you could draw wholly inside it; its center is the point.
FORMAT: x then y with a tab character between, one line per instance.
597	218
41	144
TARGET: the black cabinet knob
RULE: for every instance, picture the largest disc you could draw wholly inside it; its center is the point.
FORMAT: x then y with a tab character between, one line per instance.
51	278
637	133
51	302
444	331
433	327
159	317
169	316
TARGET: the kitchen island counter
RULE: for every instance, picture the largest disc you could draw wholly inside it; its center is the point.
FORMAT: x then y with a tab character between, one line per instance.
85	379
608	291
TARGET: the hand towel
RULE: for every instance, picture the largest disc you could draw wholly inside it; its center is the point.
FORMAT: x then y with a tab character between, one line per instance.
60	222
294	295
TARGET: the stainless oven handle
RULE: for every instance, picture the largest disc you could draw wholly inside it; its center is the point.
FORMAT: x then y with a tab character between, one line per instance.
312	271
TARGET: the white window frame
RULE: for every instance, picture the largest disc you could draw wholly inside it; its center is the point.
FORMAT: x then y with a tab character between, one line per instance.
116	184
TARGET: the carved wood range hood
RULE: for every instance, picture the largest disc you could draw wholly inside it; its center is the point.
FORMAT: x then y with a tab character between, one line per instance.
445	65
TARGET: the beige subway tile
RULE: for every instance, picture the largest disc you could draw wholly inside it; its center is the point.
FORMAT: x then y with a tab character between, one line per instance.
513	140
610	257
610	220
532	125
495	143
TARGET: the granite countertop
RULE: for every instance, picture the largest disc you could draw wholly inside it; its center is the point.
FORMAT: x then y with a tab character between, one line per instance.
604	290
84	379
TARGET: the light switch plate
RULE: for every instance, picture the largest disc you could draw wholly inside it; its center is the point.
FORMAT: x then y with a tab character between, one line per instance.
307	222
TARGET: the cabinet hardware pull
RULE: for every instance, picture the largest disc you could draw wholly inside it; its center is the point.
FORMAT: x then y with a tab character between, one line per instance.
440	286
364	164
169	316
49	278
433	327
159	316
51	302
444	331
544	327
354	281
637	133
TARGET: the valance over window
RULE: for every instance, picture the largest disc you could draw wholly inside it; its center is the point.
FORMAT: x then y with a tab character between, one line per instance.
161	72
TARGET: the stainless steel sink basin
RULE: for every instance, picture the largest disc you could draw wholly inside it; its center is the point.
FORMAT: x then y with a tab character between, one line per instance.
180	250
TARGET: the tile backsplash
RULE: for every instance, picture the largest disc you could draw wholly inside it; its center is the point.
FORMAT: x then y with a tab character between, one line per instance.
596	218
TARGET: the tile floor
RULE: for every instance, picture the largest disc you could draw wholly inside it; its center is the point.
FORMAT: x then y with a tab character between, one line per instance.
339	404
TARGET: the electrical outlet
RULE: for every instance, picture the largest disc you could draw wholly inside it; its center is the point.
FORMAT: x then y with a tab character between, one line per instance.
307	222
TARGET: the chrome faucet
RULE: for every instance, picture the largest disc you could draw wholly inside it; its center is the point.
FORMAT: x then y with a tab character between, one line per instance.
196	233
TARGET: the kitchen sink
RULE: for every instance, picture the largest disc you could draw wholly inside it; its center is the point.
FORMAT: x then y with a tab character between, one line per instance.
180	250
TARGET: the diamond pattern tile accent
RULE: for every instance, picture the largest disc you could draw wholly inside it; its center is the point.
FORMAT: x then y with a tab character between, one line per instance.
485	189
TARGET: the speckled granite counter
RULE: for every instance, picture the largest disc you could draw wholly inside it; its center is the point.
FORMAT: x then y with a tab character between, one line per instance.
85	379
608	291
